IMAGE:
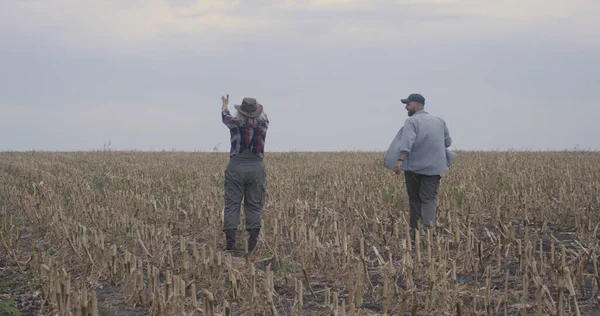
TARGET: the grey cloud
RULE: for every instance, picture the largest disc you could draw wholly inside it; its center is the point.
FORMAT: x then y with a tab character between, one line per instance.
498	87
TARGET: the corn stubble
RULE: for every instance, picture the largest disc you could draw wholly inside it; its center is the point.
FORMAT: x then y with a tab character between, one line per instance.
517	234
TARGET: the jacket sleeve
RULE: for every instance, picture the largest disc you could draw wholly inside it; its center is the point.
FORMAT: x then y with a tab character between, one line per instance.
409	135
447	138
228	119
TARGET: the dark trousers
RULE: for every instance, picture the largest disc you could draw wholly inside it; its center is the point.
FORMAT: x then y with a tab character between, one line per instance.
244	180
422	193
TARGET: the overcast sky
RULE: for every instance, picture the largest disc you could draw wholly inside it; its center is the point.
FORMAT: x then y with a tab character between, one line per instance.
149	74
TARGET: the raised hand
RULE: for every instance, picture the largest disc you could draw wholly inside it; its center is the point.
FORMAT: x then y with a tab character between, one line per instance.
225	101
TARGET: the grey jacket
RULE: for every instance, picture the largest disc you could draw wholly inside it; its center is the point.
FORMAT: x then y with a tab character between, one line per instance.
427	138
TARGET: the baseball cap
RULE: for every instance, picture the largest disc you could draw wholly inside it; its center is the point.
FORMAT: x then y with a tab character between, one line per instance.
414	97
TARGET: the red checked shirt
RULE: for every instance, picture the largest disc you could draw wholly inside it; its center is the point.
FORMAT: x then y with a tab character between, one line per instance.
250	136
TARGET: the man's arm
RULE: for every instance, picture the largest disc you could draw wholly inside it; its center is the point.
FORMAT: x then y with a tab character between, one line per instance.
407	140
226	116
447	138
228	119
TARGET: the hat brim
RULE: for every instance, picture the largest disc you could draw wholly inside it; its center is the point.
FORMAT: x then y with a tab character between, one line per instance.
405	101
259	109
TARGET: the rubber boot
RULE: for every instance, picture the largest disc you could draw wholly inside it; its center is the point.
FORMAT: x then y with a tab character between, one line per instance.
412	236
252	238
230	238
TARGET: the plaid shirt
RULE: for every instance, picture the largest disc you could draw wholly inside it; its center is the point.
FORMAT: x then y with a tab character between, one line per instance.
250	136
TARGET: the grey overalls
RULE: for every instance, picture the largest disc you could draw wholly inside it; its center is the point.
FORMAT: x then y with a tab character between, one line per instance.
244	179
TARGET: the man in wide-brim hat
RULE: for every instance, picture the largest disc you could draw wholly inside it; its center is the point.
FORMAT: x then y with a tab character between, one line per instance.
245	174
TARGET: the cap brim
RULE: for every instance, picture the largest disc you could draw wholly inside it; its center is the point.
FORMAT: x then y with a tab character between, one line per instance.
405	101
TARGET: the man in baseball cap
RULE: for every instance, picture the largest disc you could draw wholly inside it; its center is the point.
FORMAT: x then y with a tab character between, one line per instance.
420	150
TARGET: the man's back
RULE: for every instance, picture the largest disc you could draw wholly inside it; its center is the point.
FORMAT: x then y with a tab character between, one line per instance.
425	138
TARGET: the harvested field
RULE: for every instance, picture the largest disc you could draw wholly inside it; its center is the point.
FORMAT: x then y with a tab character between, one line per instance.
139	233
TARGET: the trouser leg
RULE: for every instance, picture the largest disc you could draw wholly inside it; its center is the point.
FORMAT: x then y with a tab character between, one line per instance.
254	198
412	188
234	193
428	193
253	205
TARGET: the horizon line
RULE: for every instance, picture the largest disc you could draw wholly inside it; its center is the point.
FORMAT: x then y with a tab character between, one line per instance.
174	150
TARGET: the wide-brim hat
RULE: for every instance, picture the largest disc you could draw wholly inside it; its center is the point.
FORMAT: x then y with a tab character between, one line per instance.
249	107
